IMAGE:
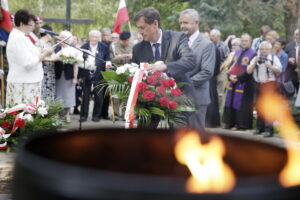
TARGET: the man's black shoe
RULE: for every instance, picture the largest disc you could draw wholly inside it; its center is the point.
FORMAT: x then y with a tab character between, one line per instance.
106	117
83	119
257	132
96	119
76	111
268	134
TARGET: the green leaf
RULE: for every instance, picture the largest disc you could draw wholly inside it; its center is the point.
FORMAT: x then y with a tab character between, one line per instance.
157	111
183	108
144	115
180	84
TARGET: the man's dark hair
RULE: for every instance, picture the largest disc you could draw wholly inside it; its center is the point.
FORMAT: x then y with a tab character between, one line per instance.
23	16
150	15
46	27
125	35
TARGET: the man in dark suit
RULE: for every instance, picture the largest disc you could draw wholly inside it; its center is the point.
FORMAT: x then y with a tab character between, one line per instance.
168	46
205	53
290	49
90	73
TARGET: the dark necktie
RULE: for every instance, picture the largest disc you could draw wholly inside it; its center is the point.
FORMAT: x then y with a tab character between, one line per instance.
156	52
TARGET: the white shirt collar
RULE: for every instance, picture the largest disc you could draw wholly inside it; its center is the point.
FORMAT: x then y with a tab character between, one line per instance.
159	39
193	37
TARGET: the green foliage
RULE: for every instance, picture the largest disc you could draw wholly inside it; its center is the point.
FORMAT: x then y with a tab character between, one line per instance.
49	122
230	16
101	11
240	16
169	10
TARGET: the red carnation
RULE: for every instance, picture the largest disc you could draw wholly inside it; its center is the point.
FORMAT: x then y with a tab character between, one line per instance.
164	101
130	79
172	105
171	82
20	123
13	113
149	95
164	83
160	91
152	80
5	125
142	86
176	92
157	74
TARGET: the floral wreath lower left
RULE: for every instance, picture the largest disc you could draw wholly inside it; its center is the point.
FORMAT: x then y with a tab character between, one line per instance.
23	118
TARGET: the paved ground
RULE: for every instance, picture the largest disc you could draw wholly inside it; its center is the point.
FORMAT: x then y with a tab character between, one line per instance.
6	159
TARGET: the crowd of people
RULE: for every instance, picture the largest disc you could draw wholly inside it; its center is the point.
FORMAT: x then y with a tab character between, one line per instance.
224	77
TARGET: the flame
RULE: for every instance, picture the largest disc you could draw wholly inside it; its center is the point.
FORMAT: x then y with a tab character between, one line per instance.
205	161
274	107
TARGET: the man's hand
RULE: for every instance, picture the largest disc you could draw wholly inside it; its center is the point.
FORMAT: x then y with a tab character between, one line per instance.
158	66
233	78
292	61
268	64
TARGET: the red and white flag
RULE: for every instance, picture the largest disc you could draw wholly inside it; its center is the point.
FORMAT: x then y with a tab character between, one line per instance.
122	16
5	21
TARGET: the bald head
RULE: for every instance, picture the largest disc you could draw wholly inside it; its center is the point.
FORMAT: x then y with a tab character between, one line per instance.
215	35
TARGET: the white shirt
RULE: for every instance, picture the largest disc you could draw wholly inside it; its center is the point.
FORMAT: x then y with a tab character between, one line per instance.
90	64
24	65
193	37
262	75
158	42
90	61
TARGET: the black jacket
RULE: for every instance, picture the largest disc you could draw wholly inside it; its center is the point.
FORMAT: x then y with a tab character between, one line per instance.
101	57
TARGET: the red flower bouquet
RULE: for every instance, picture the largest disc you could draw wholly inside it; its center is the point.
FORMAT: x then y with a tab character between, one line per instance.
158	94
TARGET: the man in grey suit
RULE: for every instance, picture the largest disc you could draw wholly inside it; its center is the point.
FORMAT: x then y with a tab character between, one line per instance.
168	46
204	50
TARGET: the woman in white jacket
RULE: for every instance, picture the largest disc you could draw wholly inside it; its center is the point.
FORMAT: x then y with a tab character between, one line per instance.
24	61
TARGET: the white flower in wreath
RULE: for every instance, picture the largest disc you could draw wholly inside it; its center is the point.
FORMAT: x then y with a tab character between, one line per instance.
133	69
41	103
28	117
121	70
43	111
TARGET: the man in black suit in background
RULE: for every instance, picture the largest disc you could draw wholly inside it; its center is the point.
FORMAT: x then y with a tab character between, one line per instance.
168	46
91	75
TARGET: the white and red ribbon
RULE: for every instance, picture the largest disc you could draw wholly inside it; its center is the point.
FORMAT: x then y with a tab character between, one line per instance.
133	95
25	108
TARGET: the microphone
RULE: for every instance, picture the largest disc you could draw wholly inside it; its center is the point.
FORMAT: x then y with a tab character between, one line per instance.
48	32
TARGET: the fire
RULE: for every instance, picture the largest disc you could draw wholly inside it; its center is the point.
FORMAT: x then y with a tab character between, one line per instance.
205	161
273	107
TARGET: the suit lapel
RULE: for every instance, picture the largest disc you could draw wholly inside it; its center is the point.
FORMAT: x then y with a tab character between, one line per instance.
149	52
197	42
165	43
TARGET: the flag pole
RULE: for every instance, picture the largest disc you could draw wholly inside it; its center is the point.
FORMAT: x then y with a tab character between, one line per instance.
129	25
2	79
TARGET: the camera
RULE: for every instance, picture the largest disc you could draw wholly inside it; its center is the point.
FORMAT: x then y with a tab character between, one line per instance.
262	59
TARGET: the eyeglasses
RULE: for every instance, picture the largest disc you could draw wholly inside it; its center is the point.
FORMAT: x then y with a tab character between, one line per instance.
32	25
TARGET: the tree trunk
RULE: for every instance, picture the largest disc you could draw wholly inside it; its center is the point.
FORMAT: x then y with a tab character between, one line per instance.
291	18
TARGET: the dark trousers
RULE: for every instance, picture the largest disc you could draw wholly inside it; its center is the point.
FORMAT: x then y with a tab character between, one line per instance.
78	93
98	100
104	111
261	124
